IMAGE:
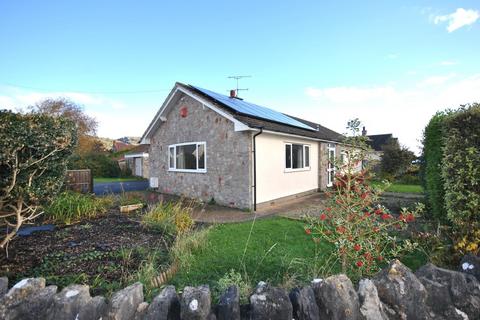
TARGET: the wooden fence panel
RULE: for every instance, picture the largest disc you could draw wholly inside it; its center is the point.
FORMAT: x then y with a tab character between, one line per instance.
79	180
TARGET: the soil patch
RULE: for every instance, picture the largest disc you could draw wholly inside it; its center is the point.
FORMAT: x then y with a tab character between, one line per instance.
102	252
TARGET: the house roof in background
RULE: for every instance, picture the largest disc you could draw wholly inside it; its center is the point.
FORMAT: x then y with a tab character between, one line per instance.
142	148
376	141
301	128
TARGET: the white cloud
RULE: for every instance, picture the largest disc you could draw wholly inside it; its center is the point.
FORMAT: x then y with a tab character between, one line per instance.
448	63
390	109
435	80
458	19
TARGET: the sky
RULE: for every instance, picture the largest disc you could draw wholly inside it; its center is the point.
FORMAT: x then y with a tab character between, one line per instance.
392	64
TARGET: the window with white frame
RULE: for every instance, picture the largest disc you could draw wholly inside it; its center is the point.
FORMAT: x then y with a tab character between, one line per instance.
297	156
187	157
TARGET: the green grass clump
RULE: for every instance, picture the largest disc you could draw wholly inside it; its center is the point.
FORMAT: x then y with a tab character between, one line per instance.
171	218
70	207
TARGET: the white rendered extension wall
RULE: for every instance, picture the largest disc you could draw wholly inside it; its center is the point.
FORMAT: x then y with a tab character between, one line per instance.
273	180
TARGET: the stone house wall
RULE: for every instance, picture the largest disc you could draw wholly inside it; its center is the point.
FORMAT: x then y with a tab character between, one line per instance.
228	156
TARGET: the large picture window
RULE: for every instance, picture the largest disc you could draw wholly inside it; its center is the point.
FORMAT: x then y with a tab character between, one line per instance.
187	157
297	156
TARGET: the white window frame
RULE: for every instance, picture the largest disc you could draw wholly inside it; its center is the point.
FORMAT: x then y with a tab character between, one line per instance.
304	146
174	146
330	166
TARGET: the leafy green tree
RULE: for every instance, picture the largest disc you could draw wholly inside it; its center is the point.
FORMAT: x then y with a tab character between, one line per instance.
34	150
396	159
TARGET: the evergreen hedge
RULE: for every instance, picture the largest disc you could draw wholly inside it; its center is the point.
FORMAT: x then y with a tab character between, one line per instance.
432	180
461	167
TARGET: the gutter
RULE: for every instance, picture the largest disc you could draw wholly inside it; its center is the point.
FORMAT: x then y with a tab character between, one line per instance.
254	151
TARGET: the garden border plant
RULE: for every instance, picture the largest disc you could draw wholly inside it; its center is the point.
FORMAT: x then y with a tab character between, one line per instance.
34	151
359	229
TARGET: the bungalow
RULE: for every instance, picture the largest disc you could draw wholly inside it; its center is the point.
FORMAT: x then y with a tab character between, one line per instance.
207	145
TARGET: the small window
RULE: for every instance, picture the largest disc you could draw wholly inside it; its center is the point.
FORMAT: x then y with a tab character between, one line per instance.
288	156
297	156
187	157
307	156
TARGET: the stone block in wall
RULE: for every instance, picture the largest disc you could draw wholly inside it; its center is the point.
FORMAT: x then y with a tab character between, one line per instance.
336	298
67	303
195	303
371	308
3	286
165	306
95	309
401	291
450	293
229	305
304	305
123	304
12	303
270	303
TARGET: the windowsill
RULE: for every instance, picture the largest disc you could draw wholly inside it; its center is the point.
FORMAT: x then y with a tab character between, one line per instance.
297	170
188	170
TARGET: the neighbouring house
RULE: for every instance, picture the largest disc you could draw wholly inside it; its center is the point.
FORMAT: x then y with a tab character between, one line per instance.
119	145
137	160
210	146
376	142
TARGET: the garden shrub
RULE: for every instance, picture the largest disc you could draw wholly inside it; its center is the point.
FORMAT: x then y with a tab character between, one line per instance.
234	278
101	164
461	175
34	151
70	207
360	230
171	218
432	155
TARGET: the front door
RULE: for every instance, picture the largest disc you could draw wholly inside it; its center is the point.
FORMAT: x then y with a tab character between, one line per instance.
331	165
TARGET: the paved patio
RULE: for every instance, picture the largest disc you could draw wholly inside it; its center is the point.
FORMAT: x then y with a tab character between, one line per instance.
296	208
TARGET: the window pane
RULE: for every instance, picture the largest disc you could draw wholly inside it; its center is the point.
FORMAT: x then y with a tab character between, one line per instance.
297	156
201	156
331	158
307	156
186	157
171	158
288	156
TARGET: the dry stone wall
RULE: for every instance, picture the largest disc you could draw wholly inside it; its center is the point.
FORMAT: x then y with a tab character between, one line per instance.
394	293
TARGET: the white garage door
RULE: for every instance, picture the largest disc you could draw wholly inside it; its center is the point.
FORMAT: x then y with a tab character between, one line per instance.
138	167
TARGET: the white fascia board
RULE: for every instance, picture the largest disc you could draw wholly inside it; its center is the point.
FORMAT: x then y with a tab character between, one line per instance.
238	126
137	155
296	136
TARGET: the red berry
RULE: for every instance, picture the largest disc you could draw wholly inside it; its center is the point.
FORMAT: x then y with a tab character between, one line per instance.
308	231
323	216
385	216
410	217
357	247
359	264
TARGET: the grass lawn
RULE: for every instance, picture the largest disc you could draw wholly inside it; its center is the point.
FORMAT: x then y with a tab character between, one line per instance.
278	252
101	179
402	188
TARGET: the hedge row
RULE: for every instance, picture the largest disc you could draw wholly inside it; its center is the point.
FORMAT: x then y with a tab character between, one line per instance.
452	166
